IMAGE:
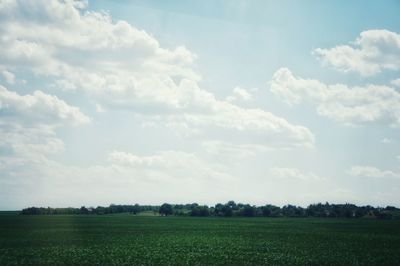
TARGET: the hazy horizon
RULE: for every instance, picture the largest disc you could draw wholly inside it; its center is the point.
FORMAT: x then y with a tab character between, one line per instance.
149	102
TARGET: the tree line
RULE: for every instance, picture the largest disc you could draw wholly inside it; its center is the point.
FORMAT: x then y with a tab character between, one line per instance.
232	209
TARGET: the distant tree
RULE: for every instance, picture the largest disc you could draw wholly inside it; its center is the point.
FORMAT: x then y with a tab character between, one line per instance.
320	210
271	211
83	210
166	209
293	211
193	206
232	209
227	210
135	209
219	209
232	205
200	211
204	211
248	211
266	211
100	210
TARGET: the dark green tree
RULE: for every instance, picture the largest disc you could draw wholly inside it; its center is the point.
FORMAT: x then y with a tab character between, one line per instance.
166	209
83	210
248	211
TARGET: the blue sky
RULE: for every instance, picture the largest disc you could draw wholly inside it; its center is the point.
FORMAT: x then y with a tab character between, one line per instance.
202	101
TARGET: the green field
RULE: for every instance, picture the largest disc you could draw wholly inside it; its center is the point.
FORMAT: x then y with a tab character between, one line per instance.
146	240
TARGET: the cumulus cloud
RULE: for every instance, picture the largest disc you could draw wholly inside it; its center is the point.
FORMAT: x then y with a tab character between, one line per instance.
387	140
293	173
395	82
122	67
235	151
126	178
112	61
239	94
175	164
28	139
350	105
116	66
372	52
62	39
373	172
38	108
28	123
8	76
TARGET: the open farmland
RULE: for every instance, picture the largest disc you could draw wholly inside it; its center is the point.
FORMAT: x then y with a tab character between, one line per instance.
144	240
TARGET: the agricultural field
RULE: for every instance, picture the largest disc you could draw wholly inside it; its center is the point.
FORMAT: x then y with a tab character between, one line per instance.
125	239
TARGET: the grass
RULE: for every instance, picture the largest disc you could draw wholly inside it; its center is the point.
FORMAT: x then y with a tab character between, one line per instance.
152	240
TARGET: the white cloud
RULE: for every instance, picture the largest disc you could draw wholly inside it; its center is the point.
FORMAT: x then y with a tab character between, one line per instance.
293	173
28	123
99	108
122	67
373	172
372	52
128	159
231	150
386	140
21	144
239	94
172	176
38	108
8	76
395	82
64	85
117	66
255	124
55	36
349	105
175	164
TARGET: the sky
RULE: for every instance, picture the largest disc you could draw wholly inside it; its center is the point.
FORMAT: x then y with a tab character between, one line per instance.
123	102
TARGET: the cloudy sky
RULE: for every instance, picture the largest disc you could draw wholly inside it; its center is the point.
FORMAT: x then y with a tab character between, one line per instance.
203	101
